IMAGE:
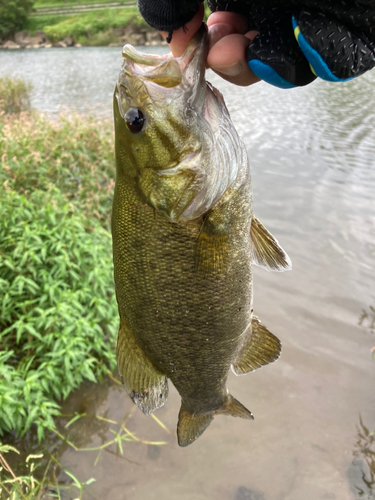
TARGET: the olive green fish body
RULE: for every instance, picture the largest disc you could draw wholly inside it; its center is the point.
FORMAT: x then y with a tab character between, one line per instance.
186	320
184	236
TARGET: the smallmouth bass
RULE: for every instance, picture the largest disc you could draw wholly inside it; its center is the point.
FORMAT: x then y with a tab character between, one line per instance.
184	240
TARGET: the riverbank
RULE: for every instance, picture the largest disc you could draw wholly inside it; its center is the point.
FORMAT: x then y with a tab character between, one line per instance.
107	27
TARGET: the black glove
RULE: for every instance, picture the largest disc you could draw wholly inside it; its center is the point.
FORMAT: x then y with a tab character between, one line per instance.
336	38
168	15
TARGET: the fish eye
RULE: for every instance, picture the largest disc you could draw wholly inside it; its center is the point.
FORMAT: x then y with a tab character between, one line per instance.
134	120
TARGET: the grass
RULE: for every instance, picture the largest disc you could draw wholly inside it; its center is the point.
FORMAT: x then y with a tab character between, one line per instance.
56	3
85	28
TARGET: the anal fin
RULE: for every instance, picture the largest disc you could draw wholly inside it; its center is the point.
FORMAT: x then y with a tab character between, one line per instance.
146	385
261	349
265	249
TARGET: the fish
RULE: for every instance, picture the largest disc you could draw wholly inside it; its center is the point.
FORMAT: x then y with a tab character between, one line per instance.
184	241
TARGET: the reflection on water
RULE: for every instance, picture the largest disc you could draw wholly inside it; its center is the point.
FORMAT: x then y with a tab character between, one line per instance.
312	154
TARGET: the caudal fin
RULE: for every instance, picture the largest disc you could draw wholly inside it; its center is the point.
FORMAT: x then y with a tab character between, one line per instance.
190	426
234	408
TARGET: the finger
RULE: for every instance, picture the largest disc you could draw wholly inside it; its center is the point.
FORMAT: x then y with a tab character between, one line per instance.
227	59
218	31
236	21
333	51
182	36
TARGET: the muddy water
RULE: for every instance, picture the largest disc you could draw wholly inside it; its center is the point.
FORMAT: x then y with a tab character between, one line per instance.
312	154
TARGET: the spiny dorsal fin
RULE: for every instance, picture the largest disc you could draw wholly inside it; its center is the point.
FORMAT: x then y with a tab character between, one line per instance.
265	249
190	426
262	348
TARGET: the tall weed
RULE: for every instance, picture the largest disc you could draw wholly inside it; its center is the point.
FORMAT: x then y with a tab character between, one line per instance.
14	95
75	154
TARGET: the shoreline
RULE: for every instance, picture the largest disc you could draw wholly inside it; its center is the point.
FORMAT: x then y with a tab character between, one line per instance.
128	34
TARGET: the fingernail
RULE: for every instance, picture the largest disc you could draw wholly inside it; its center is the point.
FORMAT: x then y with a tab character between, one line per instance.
230	70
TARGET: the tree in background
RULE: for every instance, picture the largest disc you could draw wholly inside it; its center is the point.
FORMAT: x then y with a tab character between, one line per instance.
13	16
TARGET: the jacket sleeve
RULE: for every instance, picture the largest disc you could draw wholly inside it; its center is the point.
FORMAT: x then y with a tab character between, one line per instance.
168	15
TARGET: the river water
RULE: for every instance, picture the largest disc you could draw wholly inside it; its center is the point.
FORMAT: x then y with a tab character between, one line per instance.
312	153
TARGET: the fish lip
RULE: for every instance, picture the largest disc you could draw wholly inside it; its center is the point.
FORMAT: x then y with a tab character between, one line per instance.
130	52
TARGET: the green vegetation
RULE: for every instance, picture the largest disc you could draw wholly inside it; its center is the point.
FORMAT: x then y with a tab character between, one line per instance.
14	95
89	28
38	23
13	16
28	486
58	311
41	4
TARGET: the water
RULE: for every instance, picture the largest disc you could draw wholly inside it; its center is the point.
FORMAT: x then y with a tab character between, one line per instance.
312	154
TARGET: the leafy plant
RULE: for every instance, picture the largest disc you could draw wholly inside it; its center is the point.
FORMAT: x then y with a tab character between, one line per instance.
13	16
14	95
58	311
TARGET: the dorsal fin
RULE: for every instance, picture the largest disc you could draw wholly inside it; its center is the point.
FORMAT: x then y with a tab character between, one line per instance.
262	348
265	249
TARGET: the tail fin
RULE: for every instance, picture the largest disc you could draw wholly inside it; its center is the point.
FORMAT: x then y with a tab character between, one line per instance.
191	426
234	408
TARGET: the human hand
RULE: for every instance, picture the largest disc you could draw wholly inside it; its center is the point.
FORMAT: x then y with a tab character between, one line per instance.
228	40
335	39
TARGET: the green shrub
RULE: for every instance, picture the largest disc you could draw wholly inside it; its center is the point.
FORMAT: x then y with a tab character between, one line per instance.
14	95
101	39
58	311
13	16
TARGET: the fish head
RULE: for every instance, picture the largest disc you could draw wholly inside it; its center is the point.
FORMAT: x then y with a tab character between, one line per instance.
156	102
173	132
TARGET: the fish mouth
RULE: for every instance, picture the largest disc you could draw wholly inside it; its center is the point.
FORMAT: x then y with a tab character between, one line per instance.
166	70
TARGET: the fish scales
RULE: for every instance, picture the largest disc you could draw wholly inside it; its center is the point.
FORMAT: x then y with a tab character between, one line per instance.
182	242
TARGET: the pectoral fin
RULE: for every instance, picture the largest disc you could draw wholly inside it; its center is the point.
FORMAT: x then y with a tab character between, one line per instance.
265	249
262	348
213	244
147	386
